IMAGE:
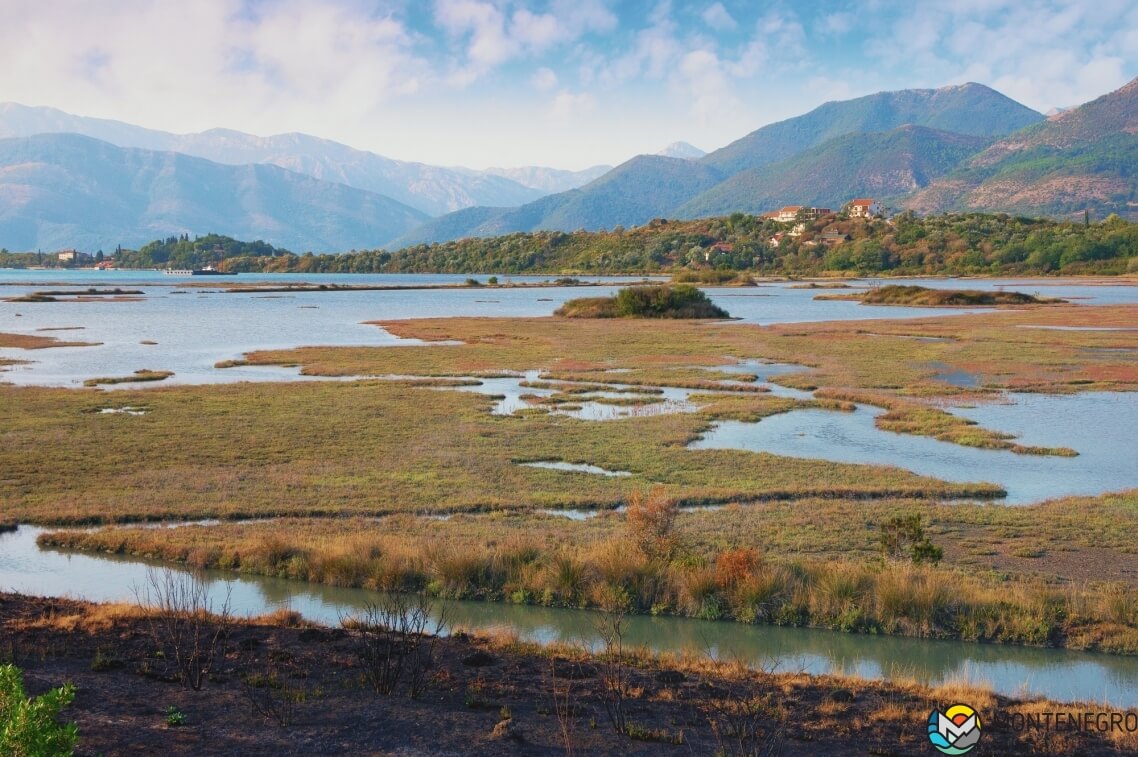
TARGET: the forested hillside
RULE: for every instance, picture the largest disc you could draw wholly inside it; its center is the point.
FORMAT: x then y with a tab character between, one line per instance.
710	248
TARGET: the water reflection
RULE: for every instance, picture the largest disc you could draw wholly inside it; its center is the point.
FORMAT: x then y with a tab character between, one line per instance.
1058	674
1098	425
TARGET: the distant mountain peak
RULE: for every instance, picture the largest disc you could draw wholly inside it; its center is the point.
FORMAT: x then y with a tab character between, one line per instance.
1074	161
682	150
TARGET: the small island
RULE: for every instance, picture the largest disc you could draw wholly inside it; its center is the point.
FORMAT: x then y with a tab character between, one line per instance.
656	301
919	296
143	374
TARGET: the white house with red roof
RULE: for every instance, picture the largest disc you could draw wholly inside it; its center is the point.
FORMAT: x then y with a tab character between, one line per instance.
864	207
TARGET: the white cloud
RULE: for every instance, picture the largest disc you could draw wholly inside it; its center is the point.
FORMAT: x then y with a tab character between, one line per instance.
485	27
182	65
544	79
784	36
567	105
536	31
585	16
836	24
654	50
1043	53
705	84
375	73
717	17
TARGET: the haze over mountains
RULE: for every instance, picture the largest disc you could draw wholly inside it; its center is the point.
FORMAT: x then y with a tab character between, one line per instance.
431	189
724	180
66	190
959	147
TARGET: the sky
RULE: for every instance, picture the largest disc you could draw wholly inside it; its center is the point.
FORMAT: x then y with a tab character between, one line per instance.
561	83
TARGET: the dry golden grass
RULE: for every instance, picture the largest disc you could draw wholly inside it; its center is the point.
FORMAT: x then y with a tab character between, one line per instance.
91	619
32	342
812	562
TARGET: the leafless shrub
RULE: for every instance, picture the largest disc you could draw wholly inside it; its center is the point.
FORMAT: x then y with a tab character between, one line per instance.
565	705
745	725
184	622
396	642
272	695
615	674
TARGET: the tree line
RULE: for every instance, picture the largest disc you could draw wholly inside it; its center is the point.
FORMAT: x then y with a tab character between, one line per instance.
955	243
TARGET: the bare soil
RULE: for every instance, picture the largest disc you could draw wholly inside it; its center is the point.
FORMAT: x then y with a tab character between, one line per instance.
486	697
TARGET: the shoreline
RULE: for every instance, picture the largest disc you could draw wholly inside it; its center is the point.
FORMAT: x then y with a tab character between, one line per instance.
283	686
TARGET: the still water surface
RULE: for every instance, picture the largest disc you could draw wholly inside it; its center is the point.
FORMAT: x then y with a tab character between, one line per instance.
194	327
1098	425
1058	674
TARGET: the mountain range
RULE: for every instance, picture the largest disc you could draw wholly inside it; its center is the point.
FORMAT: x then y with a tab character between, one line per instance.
66	190
430	189
1082	158
766	168
954	148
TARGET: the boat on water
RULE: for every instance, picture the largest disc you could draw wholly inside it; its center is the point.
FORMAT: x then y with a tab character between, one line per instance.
207	271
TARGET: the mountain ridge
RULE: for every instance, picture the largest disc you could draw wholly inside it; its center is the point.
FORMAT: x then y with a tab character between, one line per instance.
67	190
434	190
1081	159
652	191
878	164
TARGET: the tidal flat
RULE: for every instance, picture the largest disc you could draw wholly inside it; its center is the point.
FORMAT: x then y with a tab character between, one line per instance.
401	434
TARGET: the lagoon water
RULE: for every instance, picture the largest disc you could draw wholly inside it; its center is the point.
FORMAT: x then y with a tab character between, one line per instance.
197	326
1099	426
1059	674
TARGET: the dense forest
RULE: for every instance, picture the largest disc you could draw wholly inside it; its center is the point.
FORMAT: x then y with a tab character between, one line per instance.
971	243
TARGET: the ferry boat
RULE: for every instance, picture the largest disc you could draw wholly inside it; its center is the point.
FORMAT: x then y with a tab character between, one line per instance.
209	270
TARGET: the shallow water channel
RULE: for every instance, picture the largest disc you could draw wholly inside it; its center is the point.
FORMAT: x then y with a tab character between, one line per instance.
1098	425
1058	674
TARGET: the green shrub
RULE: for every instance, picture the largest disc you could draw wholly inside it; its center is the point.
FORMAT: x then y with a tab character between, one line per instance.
28	727
655	301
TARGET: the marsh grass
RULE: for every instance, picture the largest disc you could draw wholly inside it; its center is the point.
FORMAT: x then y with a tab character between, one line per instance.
377	447
909	417
32	342
141	375
919	296
811	563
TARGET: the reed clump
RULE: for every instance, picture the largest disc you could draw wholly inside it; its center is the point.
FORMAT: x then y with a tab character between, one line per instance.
657	559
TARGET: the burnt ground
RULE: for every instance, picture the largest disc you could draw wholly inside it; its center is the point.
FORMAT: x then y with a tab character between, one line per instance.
282	690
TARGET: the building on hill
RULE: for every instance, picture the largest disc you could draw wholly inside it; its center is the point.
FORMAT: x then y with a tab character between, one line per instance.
833	237
798	212
864	207
74	256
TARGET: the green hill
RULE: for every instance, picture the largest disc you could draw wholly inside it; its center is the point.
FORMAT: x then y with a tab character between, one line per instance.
1085	158
966	109
881	165
726	248
650	186
633	193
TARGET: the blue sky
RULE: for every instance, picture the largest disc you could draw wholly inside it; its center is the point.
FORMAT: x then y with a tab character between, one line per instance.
564	83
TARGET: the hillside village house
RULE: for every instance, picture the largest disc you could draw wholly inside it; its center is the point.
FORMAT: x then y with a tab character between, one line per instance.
833	237
74	256
864	207
792	212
